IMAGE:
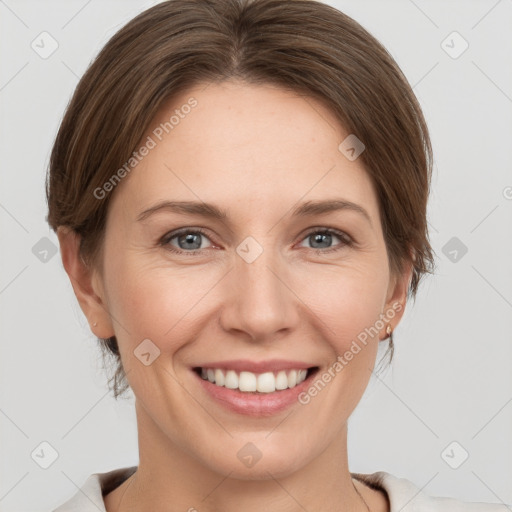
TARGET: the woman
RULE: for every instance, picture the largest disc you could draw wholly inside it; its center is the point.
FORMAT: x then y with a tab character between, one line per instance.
283	144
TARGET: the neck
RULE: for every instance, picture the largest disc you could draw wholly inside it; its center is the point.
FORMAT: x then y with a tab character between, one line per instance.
172	477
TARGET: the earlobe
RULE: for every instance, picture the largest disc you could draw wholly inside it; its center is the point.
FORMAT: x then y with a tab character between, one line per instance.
85	283
396	300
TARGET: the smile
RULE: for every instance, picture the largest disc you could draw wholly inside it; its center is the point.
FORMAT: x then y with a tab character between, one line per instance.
249	382
254	388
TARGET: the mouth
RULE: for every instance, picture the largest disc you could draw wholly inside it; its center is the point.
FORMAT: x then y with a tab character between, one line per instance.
255	383
254	388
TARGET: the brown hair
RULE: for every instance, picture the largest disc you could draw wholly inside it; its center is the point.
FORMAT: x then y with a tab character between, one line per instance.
301	45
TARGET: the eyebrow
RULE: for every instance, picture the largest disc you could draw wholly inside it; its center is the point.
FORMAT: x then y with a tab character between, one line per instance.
330	205
209	210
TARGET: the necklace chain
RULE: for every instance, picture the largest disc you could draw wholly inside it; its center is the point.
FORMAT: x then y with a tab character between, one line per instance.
360	495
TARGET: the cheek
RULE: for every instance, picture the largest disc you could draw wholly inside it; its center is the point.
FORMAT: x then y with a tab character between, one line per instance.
346	307
346	300
152	301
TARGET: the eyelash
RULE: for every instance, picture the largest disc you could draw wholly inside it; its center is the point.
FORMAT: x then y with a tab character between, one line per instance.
346	240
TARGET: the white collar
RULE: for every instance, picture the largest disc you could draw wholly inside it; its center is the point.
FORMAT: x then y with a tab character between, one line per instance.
403	495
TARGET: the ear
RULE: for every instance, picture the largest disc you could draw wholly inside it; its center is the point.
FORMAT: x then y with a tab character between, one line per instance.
87	284
396	299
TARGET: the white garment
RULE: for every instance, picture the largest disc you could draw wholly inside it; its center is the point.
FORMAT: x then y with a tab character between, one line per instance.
403	495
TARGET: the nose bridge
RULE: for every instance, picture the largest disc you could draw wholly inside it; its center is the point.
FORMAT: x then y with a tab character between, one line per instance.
261	304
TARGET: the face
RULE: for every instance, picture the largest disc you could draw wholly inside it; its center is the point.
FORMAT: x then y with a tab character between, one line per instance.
247	249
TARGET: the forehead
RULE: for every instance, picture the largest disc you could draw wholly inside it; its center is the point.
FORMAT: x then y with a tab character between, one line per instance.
242	144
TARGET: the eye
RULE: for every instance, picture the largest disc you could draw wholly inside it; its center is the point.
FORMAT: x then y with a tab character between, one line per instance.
322	239
188	240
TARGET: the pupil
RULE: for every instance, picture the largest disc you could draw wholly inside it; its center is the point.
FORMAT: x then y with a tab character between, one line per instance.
190	239
325	236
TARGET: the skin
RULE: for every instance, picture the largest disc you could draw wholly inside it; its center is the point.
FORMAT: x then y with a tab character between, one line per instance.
256	151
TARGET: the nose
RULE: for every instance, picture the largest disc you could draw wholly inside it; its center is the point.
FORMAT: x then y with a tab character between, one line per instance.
260	301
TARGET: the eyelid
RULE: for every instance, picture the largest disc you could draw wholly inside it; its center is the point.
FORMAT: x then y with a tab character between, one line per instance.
325	229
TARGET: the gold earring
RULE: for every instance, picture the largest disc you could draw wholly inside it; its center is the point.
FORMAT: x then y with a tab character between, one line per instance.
389	330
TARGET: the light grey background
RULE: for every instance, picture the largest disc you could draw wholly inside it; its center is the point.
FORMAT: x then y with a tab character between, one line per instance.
451	379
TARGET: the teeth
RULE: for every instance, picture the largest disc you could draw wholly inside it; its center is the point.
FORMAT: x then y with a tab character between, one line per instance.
218	378
281	380
231	381
266	383
292	379
249	382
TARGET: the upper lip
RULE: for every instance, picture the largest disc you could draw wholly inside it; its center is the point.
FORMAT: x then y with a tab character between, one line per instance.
271	365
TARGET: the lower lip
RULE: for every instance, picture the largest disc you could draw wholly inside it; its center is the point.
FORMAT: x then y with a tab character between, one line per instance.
254	404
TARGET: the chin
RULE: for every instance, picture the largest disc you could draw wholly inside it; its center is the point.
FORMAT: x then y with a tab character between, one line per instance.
251	457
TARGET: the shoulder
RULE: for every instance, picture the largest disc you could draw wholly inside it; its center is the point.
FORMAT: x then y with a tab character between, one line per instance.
90	496
405	496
